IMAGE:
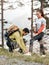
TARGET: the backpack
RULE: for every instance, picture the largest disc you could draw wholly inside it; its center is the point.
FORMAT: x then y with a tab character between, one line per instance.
11	44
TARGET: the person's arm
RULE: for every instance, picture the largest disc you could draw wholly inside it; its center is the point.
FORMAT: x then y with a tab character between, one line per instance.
34	29
41	29
43	26
20	41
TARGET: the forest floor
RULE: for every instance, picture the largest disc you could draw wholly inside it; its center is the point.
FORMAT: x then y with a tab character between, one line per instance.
15	58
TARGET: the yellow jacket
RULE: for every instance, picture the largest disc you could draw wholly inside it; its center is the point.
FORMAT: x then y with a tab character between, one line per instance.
19	39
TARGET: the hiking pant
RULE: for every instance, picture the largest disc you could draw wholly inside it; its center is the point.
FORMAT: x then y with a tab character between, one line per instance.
39	38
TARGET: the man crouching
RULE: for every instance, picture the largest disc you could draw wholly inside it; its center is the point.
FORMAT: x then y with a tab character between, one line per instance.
16	35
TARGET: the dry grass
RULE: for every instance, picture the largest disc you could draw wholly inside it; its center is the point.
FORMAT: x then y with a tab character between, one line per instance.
33	58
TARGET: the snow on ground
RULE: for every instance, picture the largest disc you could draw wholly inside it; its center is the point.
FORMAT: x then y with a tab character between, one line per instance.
19	16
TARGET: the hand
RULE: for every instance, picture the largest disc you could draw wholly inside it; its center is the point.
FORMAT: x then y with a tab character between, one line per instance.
34	34
34	29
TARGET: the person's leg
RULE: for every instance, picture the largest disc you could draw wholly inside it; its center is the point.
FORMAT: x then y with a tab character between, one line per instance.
31	42
37	37
10	46
42	50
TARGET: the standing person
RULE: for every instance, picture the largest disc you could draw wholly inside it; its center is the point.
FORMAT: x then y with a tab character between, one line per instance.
39	30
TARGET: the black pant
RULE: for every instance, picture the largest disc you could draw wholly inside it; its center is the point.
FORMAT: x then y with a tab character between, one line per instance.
37	37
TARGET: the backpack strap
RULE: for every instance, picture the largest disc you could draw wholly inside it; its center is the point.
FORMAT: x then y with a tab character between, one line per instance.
14	32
